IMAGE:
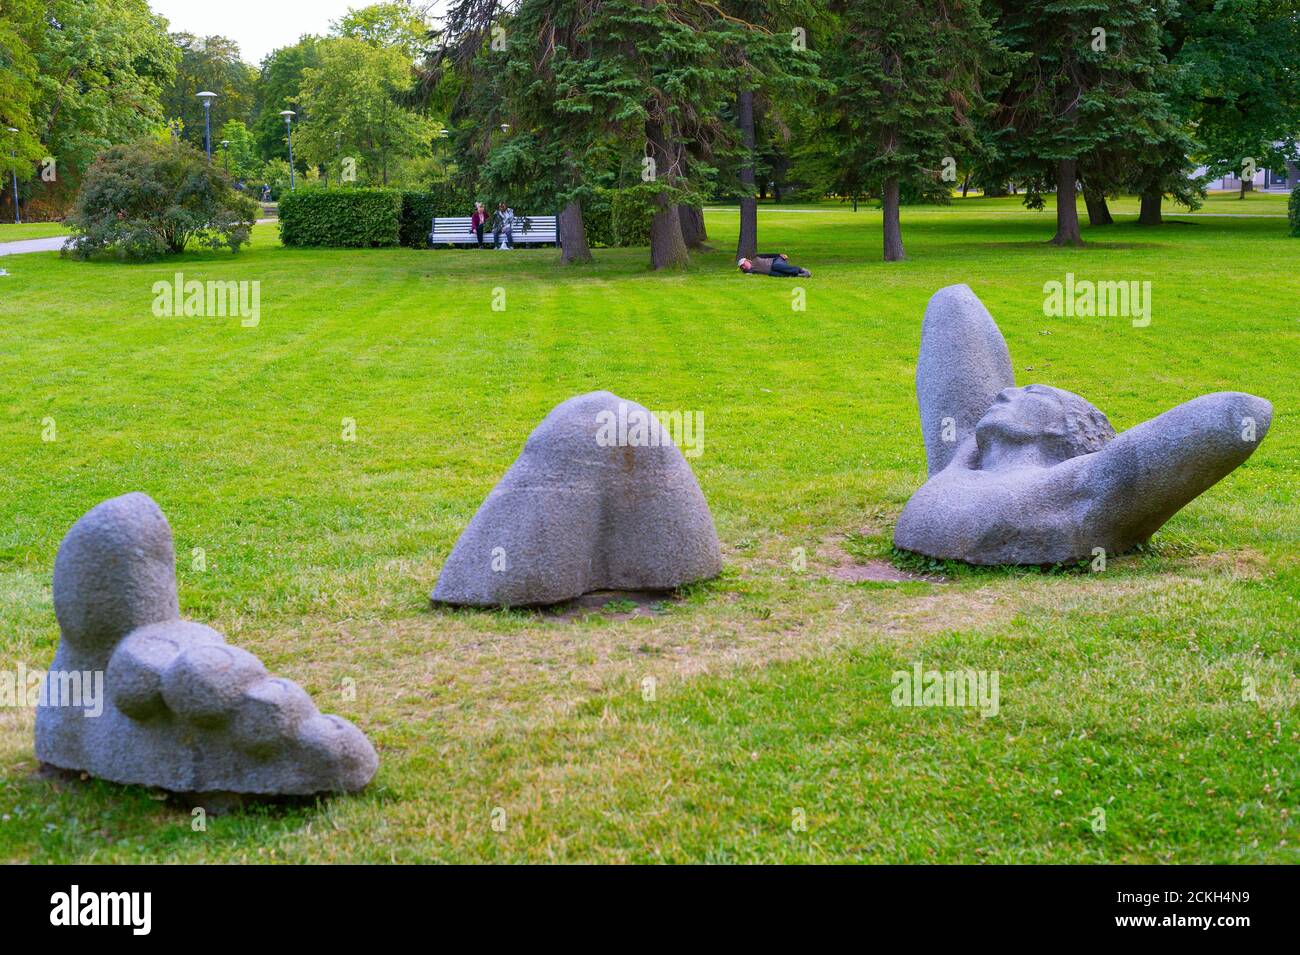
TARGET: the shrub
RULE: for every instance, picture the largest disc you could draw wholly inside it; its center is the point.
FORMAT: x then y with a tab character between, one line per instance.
419	209
341	218
630	212
598	218
1293	209
151	198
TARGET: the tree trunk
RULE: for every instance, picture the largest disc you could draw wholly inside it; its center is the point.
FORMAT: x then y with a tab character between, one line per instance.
1247	185
1098	210
692	219
1150	209
573	236
1067	212
667	249
747	245
893	228
965	185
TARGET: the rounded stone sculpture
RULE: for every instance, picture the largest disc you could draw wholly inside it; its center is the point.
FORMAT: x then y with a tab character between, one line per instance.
600	499
185	711
1037	475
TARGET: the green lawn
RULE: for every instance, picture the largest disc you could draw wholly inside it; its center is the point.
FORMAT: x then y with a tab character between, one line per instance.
1120	691
31	230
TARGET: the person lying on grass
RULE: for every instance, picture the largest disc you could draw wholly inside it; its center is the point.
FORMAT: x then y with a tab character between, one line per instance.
771	263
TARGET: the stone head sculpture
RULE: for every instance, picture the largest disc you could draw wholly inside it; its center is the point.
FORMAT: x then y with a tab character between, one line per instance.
1037	475
185	711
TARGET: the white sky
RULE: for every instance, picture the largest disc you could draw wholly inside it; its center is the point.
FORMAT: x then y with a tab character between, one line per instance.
258	26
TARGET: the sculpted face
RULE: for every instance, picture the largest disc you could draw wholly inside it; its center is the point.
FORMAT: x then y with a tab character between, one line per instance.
1040	425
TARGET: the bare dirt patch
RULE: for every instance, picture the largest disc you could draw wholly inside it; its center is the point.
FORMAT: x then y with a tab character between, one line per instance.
611	604
881	571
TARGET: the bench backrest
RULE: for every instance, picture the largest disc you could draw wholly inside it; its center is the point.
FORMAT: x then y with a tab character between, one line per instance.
457	229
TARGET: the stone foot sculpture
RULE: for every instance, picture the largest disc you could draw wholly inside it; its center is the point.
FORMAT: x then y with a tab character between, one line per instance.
185	711
600	499
1037	475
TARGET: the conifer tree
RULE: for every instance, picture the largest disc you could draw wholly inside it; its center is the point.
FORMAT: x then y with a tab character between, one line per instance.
1081	79
907	79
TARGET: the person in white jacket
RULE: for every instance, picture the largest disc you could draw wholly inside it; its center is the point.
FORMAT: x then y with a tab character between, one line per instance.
503	223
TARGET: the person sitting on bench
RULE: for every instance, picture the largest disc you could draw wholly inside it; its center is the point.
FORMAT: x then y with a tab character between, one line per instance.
771	263
477	221
503	221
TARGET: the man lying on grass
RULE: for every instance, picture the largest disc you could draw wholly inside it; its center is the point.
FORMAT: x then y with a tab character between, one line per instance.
771	263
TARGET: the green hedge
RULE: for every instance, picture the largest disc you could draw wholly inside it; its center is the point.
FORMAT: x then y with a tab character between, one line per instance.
617	217
356	218
419	209
598	219
1293	209
631	211
341	218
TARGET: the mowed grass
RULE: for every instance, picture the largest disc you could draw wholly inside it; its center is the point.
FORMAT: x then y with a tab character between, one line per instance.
1158	696
12	232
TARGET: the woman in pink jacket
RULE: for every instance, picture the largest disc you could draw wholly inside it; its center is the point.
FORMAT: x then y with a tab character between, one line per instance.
477	221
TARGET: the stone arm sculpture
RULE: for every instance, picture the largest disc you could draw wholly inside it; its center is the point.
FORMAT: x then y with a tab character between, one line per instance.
1036	475
1111	499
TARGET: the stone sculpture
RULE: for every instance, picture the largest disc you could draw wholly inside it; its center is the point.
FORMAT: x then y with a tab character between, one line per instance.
600	499
1037	475
185	711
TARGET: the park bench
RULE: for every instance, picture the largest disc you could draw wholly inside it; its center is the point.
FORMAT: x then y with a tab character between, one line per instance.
529	230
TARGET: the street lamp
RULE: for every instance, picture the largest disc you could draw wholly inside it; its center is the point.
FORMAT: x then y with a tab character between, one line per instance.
288	115
207	98
225	149
13	155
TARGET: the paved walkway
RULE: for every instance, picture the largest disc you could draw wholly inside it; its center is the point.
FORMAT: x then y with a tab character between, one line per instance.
52	244
1014	212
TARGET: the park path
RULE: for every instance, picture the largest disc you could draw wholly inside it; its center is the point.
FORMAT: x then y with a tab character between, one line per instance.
50	244
53	243
1016	212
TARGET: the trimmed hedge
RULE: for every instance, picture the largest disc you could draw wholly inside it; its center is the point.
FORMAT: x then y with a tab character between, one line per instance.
631	211
598	219
419	209
341	218
360	218
617	218
1293	210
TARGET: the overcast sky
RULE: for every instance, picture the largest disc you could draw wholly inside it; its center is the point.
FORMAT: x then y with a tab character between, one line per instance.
258	26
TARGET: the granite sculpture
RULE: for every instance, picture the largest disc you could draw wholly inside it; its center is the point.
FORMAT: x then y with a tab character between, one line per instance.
1037	475
185	711
600	499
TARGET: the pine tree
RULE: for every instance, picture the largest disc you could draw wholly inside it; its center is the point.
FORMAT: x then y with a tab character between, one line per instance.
908	78
1082	79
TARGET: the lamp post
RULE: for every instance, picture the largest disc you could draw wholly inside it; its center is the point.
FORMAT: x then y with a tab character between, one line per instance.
288	115
207	98
13	154
444	134
225	151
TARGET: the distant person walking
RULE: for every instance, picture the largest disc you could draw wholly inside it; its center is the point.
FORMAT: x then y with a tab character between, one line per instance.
478	220
503	223
772	263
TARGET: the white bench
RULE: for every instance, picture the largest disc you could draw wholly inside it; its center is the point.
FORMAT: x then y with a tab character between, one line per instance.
529	230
